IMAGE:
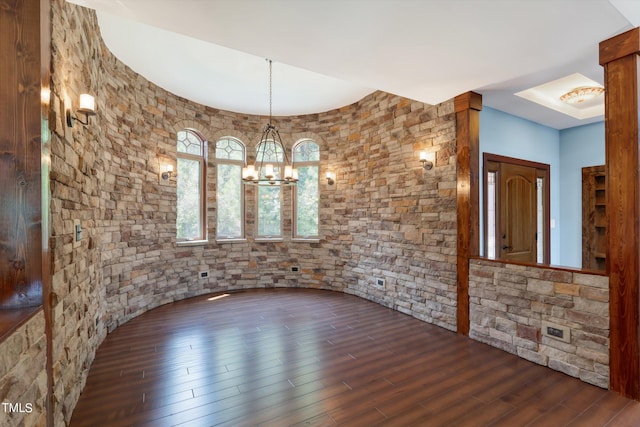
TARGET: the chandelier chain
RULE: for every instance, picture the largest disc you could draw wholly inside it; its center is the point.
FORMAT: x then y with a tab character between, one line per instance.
270	91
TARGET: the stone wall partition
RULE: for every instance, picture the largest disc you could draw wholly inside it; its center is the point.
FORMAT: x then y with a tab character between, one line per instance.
23	378
511	304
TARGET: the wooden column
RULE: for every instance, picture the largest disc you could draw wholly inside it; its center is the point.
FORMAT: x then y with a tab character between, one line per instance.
467	107
619	57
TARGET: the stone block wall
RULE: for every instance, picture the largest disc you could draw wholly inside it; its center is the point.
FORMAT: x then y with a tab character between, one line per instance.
23	378
400	220
509	303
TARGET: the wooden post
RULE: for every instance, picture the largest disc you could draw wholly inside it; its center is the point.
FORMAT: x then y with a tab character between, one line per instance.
619	57
467	107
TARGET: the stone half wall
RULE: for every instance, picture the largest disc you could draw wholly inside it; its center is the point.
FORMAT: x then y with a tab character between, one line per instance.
511	306
23	378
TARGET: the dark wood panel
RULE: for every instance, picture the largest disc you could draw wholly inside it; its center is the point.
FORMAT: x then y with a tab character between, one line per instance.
622	162
308	357
20	193
467	107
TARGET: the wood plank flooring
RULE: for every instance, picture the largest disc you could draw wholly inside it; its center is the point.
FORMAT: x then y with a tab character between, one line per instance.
299	357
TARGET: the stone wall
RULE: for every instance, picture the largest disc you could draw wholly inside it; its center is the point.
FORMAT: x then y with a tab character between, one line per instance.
400	220
23	378
77	161
509	304
384	217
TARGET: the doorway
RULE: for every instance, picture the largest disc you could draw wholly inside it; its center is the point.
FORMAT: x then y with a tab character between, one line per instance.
516	209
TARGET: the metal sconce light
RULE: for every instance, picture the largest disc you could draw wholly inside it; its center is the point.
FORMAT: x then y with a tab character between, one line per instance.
87	107
331	179
427	163
168	173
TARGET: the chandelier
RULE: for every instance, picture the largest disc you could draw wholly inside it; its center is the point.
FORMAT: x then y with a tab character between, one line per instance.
272	165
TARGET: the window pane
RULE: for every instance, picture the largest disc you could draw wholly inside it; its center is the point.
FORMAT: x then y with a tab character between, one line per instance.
189	209
306	151
188	142
229	149
307	201
269	222
540	222
229	196
269	152
491	215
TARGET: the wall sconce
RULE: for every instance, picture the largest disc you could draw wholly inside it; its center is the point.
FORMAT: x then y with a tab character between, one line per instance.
331	178
87	107
168	173
426	160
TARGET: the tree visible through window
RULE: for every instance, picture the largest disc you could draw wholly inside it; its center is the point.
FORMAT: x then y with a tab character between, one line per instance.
230	155
190	223
306	157
270	197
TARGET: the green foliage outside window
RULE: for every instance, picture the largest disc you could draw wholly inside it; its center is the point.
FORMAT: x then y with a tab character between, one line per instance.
189	199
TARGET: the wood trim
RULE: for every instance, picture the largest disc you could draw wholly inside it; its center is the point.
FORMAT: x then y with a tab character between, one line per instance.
619	46
619	55
467	107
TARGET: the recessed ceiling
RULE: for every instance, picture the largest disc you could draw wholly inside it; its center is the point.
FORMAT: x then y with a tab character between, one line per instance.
550	95
330	53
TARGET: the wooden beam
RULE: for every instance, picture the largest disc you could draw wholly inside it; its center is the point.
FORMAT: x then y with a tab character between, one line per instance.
619	56
467	107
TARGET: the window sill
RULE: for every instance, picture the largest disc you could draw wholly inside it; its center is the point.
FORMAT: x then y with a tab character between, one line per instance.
222	241
192	242
305	240
268	239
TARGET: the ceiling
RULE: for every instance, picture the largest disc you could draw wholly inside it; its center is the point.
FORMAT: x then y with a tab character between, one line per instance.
330	53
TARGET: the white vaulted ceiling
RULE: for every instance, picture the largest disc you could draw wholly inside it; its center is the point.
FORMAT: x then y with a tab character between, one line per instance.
330	53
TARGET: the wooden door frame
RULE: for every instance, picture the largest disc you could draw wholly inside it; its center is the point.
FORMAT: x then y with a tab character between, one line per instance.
496	158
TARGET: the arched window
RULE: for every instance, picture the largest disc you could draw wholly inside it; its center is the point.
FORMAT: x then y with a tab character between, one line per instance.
270	197
306	158
190	221
230	158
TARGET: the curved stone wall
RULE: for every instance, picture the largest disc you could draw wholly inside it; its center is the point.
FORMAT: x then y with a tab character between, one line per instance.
385	217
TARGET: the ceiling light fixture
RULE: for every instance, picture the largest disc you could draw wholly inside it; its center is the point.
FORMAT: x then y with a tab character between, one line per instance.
272	165
581	94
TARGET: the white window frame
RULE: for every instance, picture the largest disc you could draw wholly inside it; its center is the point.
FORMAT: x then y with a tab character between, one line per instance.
201	159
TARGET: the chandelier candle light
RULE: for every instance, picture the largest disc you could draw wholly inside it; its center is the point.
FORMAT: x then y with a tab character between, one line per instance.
272	165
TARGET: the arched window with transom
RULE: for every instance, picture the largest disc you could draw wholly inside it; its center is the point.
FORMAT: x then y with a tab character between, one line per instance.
191	206
306	158
230	158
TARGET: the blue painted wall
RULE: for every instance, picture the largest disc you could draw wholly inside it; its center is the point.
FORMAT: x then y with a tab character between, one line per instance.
566	151
579	147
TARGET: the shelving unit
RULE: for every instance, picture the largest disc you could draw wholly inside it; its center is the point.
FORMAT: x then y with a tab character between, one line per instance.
594	218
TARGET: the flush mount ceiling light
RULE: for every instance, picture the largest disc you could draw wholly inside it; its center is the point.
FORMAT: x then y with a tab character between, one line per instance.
272	165
581	94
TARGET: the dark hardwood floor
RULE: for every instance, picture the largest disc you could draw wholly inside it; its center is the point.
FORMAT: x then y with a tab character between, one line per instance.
317	358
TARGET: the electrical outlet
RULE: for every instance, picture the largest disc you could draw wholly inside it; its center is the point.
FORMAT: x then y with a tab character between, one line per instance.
558	332
295	268
203	274
380	282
